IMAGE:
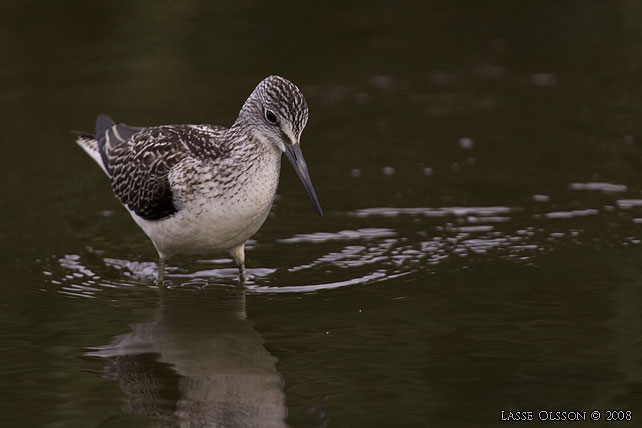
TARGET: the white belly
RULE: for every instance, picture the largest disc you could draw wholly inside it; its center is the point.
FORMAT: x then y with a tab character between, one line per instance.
214	219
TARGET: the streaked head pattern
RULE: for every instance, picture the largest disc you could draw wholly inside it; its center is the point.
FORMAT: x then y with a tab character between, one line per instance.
276	113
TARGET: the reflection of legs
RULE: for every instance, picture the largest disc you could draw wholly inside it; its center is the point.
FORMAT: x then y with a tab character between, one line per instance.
238	254
161	271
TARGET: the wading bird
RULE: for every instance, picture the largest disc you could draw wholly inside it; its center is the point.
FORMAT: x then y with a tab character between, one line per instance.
205	188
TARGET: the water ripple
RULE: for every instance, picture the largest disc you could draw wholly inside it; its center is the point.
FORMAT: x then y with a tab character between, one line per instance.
370	278
368	233
433	212
600	186
384	244
570	214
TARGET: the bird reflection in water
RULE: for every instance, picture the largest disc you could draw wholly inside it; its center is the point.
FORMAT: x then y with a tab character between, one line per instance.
197	365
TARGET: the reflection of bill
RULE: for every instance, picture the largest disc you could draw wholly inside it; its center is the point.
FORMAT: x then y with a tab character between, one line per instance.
198	365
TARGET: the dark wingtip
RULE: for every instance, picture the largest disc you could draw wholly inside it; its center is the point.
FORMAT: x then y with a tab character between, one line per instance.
103	123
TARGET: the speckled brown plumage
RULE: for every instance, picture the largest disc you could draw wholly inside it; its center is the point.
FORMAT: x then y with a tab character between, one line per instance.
202	188
139	165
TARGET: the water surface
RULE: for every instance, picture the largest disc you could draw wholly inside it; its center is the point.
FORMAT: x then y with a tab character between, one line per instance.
480	170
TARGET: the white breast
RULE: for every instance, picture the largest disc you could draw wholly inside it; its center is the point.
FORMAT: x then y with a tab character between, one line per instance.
219	206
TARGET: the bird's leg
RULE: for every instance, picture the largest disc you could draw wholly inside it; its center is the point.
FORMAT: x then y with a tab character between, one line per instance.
242	273
161	272
238	254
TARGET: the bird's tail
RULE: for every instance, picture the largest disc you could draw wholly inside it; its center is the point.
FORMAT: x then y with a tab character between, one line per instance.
103	123
89	144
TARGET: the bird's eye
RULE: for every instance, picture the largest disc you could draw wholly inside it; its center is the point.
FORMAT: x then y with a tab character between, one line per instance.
270	116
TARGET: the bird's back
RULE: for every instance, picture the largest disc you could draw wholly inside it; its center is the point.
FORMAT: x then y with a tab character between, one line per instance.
138	160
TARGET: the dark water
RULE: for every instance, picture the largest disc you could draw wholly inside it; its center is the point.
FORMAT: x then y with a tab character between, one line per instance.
480	166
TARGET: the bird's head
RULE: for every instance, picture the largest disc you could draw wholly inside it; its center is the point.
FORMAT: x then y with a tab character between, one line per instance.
275	114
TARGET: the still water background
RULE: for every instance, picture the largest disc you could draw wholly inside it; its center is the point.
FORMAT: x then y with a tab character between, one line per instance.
479	164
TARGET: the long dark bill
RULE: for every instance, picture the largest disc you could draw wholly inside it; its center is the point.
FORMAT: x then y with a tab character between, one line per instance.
295	156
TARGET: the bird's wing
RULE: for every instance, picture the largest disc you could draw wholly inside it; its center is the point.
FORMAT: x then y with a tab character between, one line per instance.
139	161
110	135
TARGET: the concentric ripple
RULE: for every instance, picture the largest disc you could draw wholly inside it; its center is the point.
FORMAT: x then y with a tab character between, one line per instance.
387	243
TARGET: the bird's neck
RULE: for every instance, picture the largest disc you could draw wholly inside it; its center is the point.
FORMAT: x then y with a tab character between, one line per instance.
251	146
256	165
244	136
